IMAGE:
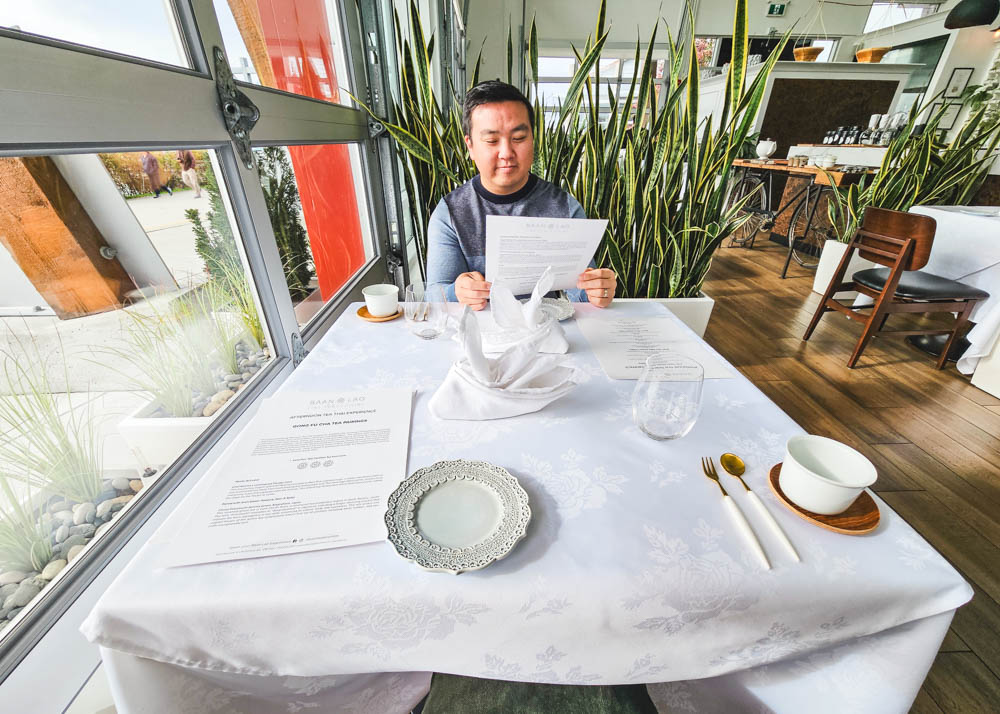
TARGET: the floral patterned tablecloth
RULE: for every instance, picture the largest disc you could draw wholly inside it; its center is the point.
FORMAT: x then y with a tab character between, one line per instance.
630	572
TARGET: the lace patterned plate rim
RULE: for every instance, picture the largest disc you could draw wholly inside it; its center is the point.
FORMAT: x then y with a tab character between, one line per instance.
558	308
425	528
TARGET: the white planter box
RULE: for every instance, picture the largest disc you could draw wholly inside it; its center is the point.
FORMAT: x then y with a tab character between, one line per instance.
158	441
693	312
833	251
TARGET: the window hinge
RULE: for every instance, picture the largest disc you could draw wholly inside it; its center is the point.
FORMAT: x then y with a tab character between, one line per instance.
239	113
375	129
299	350
394	263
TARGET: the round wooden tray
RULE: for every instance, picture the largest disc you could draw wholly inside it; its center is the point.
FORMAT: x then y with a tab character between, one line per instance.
365	315
862	517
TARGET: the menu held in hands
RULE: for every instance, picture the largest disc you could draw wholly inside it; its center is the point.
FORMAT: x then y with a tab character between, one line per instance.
311	471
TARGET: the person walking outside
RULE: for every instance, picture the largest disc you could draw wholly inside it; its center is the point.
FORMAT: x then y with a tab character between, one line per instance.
189	174
151	167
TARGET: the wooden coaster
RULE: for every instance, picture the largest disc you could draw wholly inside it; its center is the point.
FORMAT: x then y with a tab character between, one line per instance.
862	517
365	315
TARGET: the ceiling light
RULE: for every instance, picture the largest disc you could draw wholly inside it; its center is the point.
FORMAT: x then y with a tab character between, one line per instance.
970	13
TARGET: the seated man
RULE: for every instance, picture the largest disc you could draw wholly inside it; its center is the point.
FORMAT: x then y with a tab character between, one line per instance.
497	120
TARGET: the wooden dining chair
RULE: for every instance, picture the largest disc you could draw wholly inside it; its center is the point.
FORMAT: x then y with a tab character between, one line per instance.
902	243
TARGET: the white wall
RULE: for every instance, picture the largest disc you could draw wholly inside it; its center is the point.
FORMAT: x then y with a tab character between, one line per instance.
715	17
564	22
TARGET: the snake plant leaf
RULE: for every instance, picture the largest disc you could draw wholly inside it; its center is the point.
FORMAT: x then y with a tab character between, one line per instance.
646	79
533	51
571	103
738	62
422	60
602	15
510	56
479	64
414	147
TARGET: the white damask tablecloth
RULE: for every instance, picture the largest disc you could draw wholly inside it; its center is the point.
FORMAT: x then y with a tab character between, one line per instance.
630	572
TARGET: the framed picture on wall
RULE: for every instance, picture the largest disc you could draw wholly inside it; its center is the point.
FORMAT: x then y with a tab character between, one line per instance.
958	82
949	116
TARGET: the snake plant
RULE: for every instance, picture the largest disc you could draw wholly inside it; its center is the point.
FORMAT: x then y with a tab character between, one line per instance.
921	169
657	172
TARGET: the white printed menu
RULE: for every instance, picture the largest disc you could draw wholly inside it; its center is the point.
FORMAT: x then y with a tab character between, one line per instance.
520	248
311	471
622	344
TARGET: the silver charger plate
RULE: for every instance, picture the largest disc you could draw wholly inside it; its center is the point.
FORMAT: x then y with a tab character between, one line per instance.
457	515
556	308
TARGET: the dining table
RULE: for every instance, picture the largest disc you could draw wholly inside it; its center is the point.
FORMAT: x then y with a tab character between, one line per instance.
631	571
966	248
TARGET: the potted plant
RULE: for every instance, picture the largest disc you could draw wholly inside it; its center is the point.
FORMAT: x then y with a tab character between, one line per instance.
846	208
659	174
190	358
918	168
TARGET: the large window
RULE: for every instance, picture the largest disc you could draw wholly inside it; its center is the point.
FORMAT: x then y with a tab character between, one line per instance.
152	284
615	75
926	54
887	14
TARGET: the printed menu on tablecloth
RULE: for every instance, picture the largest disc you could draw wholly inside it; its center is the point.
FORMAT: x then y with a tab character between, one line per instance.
622	345
311	471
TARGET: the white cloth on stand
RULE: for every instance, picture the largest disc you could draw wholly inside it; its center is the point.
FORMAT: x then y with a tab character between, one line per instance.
967	249
519	381
517	323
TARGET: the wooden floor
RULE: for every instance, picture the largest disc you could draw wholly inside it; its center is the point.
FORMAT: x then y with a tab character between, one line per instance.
934	438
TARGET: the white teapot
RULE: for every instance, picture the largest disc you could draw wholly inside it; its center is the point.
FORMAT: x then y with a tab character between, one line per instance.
766	148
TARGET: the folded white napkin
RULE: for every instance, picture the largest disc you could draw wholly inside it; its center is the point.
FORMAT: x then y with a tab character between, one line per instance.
517	323
519	381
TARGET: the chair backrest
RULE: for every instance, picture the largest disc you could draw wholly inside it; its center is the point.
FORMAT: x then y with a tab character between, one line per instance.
883	233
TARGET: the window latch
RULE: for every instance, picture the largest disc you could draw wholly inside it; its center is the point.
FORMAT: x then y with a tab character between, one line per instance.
239	113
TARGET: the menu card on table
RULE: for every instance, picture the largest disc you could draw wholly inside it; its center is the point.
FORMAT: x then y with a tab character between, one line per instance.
311	471
622	345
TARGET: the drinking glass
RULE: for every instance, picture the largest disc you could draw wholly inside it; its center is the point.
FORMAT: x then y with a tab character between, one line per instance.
425	310
666	401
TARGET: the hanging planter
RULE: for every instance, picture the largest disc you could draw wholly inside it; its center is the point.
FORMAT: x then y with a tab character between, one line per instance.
872	55
807	54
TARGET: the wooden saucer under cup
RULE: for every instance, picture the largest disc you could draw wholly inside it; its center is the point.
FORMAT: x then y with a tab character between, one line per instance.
365	315
862	517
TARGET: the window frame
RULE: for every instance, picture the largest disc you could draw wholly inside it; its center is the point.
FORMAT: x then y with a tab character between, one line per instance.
64	98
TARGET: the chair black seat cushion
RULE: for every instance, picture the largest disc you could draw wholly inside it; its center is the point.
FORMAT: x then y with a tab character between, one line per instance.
918	285
452	694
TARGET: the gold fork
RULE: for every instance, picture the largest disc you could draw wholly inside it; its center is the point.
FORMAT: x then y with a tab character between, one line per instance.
708	467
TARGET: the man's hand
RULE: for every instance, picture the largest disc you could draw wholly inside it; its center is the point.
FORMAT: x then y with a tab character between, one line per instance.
600	284
472	289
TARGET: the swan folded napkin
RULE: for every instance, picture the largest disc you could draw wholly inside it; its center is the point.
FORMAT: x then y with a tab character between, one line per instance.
519	323
519	381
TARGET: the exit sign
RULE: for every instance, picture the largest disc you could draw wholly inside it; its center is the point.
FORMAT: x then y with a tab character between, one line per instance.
776	9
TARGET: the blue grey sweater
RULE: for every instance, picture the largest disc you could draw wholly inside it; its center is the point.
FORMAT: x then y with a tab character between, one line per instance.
456	235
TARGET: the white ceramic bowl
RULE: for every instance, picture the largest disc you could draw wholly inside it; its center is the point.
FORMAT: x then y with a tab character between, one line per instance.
822	475
382	300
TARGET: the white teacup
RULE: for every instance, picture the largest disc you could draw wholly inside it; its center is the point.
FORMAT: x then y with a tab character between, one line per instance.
382	300
822	475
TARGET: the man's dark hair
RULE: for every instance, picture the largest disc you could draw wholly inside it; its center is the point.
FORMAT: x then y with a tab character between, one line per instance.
489	92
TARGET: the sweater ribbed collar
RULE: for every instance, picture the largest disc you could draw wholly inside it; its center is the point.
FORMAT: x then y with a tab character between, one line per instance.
477	184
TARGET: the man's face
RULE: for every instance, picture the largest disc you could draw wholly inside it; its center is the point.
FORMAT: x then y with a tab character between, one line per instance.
501	144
